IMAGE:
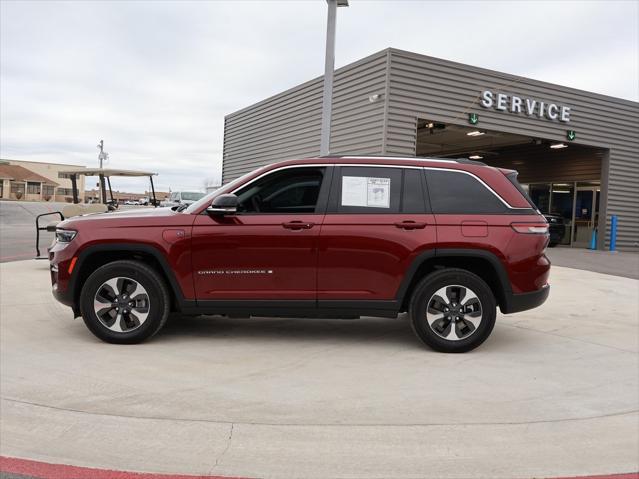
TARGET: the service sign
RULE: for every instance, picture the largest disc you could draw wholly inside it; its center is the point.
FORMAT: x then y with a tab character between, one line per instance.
527	106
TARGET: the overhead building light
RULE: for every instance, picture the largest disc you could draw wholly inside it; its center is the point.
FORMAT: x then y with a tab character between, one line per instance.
430	125
475	133
557	146
475	157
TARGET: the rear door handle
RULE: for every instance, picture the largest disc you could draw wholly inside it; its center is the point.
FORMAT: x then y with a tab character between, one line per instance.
298	225
410	225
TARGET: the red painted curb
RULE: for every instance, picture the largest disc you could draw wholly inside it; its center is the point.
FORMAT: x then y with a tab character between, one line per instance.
629	475
43	470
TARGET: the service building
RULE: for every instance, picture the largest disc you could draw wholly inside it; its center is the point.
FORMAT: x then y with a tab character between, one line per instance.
577	152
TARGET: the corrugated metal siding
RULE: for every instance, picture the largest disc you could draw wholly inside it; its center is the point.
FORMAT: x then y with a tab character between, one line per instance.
434	89
288	125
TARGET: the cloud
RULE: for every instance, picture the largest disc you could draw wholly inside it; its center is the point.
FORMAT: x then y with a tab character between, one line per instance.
155	79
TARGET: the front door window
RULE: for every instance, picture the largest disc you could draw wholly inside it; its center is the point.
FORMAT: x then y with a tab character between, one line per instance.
292	191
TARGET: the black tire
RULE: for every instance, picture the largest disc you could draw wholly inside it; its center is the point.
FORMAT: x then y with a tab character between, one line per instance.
474	336
158	305
552	245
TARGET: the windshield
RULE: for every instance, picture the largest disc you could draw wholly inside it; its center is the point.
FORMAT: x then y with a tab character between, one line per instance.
206	200
191	195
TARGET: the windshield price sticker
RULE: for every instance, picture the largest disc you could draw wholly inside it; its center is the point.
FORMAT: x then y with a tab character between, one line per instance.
366	191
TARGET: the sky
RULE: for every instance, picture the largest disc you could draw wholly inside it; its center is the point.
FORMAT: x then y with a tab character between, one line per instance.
154	79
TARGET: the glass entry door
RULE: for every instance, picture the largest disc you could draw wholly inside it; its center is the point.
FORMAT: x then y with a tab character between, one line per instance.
585	215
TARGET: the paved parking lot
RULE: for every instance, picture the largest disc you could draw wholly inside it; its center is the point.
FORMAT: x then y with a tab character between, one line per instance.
17	228
554	391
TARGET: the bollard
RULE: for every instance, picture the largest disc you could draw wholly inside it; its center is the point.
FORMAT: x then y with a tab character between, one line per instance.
593	239
613	233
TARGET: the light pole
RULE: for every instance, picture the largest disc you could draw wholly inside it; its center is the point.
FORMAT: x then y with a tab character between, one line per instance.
103	155
329	66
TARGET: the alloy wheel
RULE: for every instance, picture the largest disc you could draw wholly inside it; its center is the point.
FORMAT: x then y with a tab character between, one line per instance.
121	304
454	312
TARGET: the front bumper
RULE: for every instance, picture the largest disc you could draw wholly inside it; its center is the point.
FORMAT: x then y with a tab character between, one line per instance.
60	258
523	301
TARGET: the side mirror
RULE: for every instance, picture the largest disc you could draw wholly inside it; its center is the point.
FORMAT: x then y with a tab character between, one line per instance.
224	205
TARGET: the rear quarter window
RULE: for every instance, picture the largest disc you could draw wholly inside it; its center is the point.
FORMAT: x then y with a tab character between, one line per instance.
456	192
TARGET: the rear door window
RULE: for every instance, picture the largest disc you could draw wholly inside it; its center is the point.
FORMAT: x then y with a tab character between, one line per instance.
378	190
414	194
367	190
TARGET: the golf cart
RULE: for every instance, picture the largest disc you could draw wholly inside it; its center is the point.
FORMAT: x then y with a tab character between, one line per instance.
76	208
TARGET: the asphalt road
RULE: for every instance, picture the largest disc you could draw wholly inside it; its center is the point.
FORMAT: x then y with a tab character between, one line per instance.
17	229
554	392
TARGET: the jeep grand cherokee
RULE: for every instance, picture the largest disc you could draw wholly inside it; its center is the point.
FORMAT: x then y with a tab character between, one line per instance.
447	241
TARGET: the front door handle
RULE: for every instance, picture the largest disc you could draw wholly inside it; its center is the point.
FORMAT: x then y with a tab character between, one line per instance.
410	225
298	225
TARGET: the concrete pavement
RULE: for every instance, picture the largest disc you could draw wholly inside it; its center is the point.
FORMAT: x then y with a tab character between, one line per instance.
553	392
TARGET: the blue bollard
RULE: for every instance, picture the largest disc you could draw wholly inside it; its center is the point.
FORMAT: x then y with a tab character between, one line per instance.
593	239
613	233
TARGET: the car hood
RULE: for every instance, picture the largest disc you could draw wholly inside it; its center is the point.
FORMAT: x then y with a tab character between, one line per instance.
135	216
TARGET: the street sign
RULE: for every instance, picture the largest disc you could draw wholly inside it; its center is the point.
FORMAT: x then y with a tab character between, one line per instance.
571	135
473	118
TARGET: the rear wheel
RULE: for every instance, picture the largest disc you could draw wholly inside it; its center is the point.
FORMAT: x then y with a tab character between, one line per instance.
452	310
124	302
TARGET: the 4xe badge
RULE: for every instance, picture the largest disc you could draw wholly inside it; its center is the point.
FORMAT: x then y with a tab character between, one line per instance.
571	135
473	118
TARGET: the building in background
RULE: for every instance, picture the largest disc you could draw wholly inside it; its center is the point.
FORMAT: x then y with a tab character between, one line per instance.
577	152
37	181
122	196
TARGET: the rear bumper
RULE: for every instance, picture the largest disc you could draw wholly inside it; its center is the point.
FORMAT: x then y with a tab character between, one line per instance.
522	301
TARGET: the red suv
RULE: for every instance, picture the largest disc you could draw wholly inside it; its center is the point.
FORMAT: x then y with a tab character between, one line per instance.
445	240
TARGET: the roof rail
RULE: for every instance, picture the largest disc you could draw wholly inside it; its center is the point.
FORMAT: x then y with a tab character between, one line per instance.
382	157
463	161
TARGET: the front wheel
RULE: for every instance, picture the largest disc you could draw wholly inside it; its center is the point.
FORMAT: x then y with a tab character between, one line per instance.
124	302
452	310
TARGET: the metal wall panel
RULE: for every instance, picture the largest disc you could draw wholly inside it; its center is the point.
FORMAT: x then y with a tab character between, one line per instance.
288	125
444	91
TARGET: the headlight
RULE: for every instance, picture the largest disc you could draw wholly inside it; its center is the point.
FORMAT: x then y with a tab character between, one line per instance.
65	236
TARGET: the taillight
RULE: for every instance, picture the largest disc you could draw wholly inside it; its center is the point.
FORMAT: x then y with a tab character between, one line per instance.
530	228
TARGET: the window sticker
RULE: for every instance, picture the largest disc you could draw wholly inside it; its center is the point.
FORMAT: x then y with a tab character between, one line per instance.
366	191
